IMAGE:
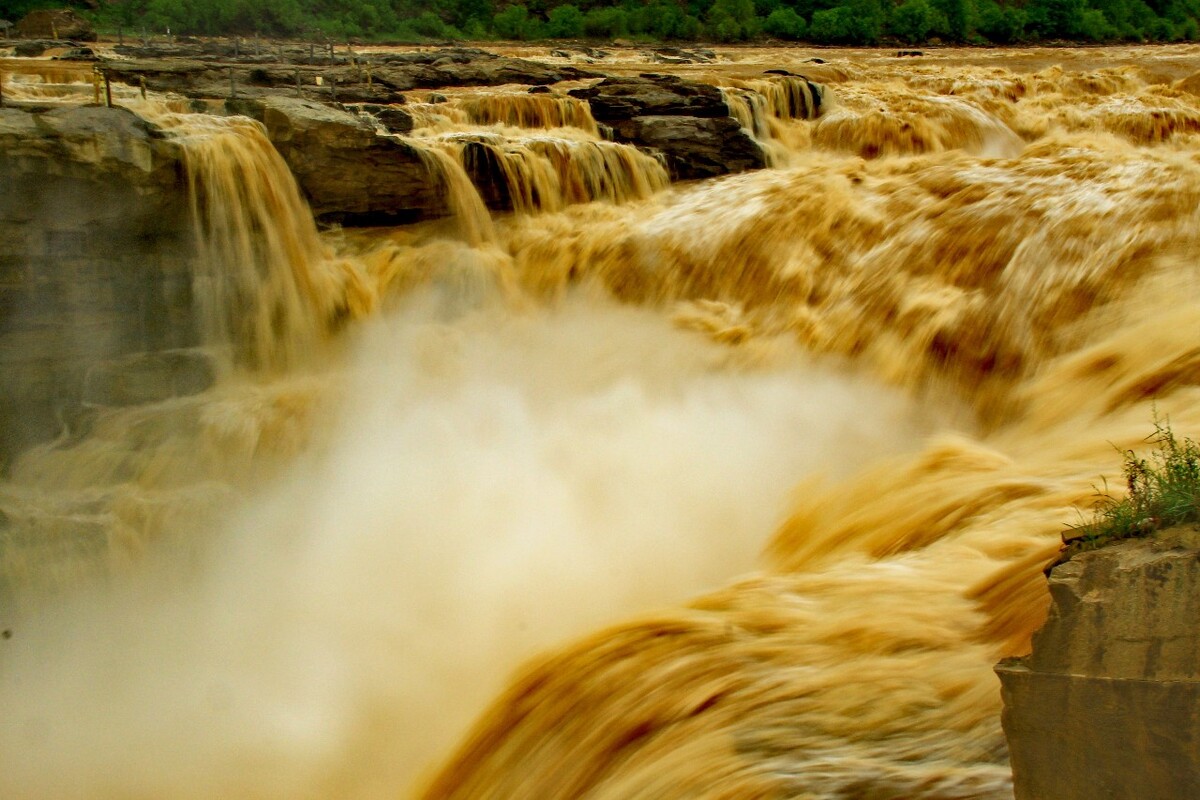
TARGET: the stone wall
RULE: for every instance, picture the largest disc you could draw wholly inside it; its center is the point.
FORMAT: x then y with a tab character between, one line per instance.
1108	703
94	268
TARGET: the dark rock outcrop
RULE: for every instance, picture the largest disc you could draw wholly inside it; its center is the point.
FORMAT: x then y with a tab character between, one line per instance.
348	173
55	24
35	48
695	147
391	117
1108	703
95	250
686	121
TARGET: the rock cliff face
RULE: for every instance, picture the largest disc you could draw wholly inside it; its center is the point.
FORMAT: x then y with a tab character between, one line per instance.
1108	703
94	268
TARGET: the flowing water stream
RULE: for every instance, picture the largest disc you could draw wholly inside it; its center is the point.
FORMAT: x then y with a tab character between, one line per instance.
731	489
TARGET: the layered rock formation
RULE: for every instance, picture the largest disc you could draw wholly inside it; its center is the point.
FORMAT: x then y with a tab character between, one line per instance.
94	266
348	173
356	78
688	122
1108	703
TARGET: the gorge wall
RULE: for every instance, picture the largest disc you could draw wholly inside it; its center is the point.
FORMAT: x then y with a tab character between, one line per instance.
94	269
1108	703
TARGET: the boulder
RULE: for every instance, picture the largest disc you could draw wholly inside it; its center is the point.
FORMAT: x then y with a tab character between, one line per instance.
349	174
687	122
695	147
36	48
95	258
55	24
1108	703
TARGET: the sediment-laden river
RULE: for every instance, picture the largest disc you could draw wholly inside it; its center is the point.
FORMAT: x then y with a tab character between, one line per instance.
732	488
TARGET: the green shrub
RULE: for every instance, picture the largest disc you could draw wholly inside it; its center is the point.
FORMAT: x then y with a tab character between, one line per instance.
1161	491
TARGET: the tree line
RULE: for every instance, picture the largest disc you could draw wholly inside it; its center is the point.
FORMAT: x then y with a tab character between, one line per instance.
836	22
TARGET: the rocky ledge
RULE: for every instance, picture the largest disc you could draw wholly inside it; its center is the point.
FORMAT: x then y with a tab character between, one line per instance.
347	172
345	77
687	122
1108	703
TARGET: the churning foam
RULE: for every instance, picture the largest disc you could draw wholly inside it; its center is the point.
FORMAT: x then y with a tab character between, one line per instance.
491	485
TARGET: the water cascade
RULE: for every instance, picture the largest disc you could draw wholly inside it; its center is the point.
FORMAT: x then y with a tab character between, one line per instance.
764	106
732	489
264	279
489	135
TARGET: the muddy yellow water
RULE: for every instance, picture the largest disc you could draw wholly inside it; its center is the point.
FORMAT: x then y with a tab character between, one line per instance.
733	489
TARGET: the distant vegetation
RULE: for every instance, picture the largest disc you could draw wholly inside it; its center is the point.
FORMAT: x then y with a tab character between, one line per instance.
1161	491
849	22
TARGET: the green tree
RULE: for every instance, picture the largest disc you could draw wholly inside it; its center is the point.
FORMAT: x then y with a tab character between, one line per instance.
731	20
1002	25
458	13
565	22
786	24
831	26
1095	27
514	22
958	16
912	21
1055	19
608	23
430	26
663	19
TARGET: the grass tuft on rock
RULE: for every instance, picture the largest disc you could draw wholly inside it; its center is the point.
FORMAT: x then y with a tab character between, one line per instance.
1162	490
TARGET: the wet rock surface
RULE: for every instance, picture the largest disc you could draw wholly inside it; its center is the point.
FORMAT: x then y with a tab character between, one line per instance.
94	258
686	121
348	173
615	99
1108	703
695	147
198	71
